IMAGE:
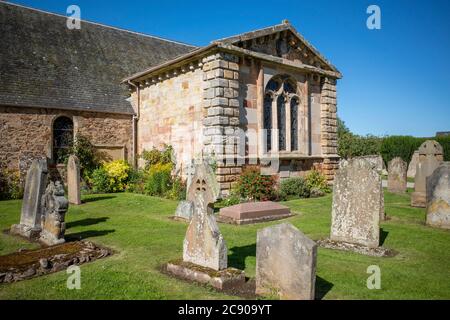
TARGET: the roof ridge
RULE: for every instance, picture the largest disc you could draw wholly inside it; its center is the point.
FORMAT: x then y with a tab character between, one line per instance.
99	24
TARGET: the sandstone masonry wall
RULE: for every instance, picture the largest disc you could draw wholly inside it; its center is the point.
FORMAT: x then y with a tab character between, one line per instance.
171	112
26	133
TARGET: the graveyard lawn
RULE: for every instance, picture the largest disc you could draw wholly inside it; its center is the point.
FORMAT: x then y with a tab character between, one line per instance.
138	228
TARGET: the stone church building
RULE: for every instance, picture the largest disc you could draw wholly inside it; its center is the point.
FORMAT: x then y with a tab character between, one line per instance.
263	97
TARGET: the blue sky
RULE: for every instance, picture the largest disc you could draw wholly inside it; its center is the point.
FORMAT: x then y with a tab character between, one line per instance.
396	80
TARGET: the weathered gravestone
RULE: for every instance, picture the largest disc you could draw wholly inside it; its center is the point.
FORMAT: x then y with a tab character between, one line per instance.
285	263
377	163
204	244
35	184
54	208
413	164
73	179
356	204
397	179
430	156
438	197
185	208
204	249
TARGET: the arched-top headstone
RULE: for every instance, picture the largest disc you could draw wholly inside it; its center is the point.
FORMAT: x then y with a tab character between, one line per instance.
357	203
397	179
438	197
430	156
431	147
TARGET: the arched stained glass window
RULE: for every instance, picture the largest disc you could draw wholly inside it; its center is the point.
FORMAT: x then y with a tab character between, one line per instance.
279	89
281	116
62	138
294	124
268	121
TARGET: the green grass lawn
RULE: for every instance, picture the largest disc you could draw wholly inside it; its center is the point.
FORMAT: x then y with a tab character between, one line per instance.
138	228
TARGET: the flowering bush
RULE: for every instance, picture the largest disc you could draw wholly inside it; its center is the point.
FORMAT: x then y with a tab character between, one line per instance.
111	177
252	185
118	174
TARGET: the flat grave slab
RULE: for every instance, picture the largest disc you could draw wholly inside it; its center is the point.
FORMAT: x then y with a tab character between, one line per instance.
253	212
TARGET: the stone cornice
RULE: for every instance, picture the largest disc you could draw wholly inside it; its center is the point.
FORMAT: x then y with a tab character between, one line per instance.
279	61
163	70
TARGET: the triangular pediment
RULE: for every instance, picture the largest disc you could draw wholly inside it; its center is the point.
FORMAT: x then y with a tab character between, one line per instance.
281	41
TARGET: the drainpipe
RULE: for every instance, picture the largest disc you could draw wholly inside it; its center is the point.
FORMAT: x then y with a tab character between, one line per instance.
135	121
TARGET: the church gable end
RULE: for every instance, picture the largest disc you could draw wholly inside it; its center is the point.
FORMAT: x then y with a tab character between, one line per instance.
281	41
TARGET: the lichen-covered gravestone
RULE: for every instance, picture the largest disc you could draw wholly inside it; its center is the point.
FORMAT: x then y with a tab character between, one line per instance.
73	180
204	249
204	244
35	184
185	208
356	204
397	179
54	208
285	263
413	164
430	156
438	197
377	163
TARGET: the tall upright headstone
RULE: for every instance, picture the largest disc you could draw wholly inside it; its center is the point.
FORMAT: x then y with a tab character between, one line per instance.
54	207
413	164
285	263
377	163
356	206
35	184
438	197
430	156
397	179
73	180
204	244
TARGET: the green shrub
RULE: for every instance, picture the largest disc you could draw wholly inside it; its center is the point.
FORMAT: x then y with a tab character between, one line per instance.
86	153
136	181
99	181
159	180
445	143
230	200
351	145
156	156
316	180
10	185
295	186
252	185
399	146
178	190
